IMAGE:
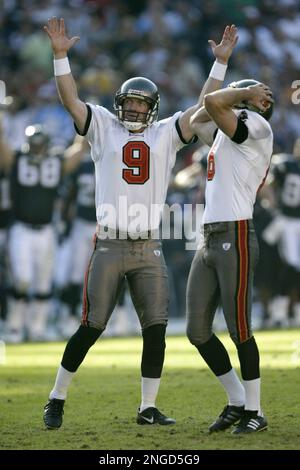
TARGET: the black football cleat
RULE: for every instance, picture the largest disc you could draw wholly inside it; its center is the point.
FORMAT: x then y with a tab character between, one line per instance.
153	416
229	416
53	413
251	422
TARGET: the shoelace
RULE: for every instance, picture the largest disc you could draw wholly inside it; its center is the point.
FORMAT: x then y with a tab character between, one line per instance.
56	408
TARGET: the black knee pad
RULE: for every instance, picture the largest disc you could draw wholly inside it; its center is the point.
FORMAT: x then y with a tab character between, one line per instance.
45	296
78	345
153	351
20	295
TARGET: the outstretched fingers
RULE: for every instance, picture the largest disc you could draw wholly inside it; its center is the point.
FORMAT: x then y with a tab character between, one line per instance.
51	27
226	33
62	28
230	34
53	24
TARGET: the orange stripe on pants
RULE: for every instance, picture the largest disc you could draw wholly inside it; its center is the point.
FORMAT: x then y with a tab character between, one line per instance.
85	304
243	251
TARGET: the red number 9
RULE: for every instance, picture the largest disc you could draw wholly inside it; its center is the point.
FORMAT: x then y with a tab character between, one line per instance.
136	155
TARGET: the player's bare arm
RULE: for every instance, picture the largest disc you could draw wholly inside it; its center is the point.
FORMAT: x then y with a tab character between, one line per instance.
66	86
74	154
222	53
6	154
219	104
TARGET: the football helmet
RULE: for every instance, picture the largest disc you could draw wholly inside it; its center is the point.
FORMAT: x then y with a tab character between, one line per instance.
138	88
37	141
36	136
244	105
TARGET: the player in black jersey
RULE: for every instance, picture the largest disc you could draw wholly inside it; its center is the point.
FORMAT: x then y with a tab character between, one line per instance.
36	175
285	231
5	221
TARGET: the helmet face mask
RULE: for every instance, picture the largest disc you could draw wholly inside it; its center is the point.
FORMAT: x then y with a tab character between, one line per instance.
244	105
142	89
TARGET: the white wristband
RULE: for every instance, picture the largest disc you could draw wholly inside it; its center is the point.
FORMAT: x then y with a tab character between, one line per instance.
61	66
218	71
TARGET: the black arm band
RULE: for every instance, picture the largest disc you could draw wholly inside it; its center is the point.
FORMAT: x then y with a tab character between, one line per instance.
241	133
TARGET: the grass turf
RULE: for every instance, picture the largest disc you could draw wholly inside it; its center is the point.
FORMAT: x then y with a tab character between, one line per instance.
103	398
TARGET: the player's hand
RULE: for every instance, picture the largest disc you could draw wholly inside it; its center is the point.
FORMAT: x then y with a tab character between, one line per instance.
260	96
59	40
223	51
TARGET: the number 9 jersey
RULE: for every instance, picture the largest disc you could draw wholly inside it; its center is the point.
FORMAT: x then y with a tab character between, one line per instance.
131	168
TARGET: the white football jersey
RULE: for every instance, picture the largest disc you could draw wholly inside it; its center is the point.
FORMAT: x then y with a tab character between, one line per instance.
132	170
236	171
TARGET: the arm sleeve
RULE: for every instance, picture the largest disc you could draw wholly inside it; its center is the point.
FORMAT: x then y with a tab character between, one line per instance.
87	122
251	125
98	120
191	141
258	127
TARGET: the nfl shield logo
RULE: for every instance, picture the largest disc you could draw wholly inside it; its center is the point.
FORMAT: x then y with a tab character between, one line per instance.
226	246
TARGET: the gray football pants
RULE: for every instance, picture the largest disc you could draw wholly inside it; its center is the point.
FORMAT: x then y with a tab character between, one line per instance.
222	271
142	263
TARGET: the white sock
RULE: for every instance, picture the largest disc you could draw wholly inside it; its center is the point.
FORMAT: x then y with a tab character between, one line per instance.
149	392
233	387
62	382
252	389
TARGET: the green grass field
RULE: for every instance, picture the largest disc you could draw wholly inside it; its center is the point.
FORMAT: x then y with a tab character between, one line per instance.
103	398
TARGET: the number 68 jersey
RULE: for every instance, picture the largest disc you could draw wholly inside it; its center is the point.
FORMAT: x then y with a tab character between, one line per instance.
132	169
34	187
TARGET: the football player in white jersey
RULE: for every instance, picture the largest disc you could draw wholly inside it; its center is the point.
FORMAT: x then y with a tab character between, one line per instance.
133	155
235	121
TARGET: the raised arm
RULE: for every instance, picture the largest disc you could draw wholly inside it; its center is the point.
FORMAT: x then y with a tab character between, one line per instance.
222	53
65	83
73	155
220	103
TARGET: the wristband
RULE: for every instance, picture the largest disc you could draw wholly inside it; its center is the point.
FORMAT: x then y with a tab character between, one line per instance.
61	66
218	71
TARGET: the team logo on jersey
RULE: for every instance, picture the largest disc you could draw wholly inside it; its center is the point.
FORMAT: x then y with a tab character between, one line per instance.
156	252
226	246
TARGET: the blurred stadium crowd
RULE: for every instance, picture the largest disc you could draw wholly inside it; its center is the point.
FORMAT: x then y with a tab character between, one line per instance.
166	41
